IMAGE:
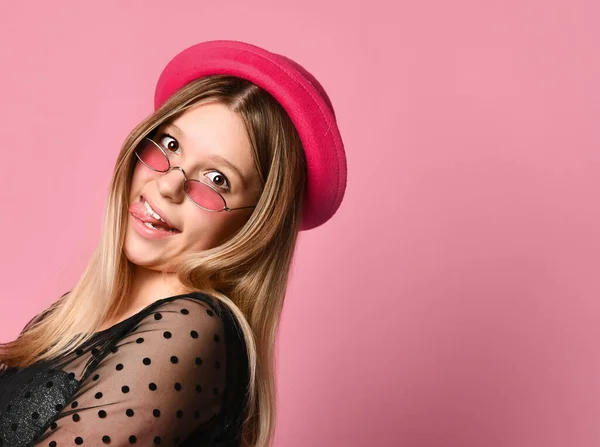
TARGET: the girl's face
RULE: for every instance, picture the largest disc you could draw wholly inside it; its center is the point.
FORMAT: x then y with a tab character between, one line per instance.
209	142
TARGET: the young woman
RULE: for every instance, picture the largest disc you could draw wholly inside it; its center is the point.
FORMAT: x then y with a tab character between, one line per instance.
167	338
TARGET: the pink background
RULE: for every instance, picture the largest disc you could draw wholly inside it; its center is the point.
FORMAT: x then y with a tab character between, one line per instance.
454	299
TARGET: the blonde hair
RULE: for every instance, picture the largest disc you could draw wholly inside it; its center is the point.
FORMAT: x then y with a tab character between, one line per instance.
248	272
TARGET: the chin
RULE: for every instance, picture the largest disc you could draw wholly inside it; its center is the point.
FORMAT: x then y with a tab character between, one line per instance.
138	257
144	259
138	253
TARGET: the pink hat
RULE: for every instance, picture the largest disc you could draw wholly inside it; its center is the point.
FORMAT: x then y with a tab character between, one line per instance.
300	94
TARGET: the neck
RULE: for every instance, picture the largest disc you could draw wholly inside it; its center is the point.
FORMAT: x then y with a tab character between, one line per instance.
148	285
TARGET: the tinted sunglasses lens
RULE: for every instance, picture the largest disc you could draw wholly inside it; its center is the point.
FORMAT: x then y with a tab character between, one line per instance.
204	195
152	156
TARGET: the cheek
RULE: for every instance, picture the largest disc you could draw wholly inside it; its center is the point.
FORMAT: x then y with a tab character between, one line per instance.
231	223
140	173
208	230
140	176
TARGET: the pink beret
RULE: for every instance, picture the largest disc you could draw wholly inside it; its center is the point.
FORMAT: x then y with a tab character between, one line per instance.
300	94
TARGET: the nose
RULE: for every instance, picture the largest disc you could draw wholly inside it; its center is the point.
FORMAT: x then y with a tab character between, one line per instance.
171	184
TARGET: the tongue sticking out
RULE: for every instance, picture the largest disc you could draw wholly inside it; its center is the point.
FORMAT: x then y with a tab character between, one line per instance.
139	211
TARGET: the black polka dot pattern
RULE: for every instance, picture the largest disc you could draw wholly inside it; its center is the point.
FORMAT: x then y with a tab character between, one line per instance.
143	386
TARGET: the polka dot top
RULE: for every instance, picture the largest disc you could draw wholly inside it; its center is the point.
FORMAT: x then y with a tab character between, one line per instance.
175	373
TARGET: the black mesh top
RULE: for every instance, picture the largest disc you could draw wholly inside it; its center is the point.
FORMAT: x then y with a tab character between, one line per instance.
175	373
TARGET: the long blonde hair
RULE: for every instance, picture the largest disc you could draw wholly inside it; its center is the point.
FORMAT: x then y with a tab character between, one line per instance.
248	273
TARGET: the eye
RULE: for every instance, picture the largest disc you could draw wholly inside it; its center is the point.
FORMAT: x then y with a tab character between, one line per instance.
219	180
168	142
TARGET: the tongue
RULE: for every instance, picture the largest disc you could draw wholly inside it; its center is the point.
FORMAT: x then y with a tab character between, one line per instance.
138	210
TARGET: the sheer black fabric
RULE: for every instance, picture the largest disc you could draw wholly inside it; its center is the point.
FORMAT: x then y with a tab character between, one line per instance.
175	373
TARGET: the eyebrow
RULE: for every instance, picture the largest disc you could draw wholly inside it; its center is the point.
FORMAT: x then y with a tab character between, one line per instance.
216	158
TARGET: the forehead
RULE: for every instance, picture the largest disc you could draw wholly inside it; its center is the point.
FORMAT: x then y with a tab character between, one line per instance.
213	129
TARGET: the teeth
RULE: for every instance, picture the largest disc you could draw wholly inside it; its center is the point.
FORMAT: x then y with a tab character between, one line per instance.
152	212
149	225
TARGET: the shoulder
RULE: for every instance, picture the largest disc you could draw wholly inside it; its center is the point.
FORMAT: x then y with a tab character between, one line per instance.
194	312
190	323
195	304
179	335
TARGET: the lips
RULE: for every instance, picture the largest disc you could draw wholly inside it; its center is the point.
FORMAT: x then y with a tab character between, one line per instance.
139	211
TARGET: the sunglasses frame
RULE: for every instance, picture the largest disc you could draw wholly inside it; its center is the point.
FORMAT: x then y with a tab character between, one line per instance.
186	180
